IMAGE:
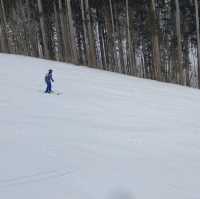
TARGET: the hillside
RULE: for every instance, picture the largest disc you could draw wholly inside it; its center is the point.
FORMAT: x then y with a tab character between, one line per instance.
107	136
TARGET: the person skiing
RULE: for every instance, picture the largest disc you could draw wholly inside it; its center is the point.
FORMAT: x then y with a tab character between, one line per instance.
48	80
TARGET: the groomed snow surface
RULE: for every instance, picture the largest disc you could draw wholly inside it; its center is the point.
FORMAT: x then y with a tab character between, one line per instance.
107	136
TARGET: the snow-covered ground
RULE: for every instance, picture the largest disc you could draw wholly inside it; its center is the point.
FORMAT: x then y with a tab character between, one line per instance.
108	136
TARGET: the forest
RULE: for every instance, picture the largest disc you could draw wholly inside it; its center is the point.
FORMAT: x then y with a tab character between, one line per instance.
153	39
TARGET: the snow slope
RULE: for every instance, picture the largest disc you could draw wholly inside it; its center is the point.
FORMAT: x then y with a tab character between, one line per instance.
108	136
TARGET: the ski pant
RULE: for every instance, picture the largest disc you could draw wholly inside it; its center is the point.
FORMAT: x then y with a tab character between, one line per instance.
48	89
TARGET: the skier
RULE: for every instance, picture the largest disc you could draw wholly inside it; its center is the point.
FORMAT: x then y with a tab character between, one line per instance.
48	80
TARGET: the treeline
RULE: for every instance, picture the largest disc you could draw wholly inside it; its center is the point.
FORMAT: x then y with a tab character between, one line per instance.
156	39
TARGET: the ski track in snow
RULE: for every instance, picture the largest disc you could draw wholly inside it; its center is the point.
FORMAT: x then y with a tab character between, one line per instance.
37	177
108	136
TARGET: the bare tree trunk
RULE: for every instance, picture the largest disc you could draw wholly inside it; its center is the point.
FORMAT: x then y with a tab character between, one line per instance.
32	36
43	29
178	33
4	37
59	54
92	48
113	36
186	59
39	47
108	42
73	47
198	39
25	43
65	36
156	44
121	55
28	18
86	45
102	48
101	38
129	43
